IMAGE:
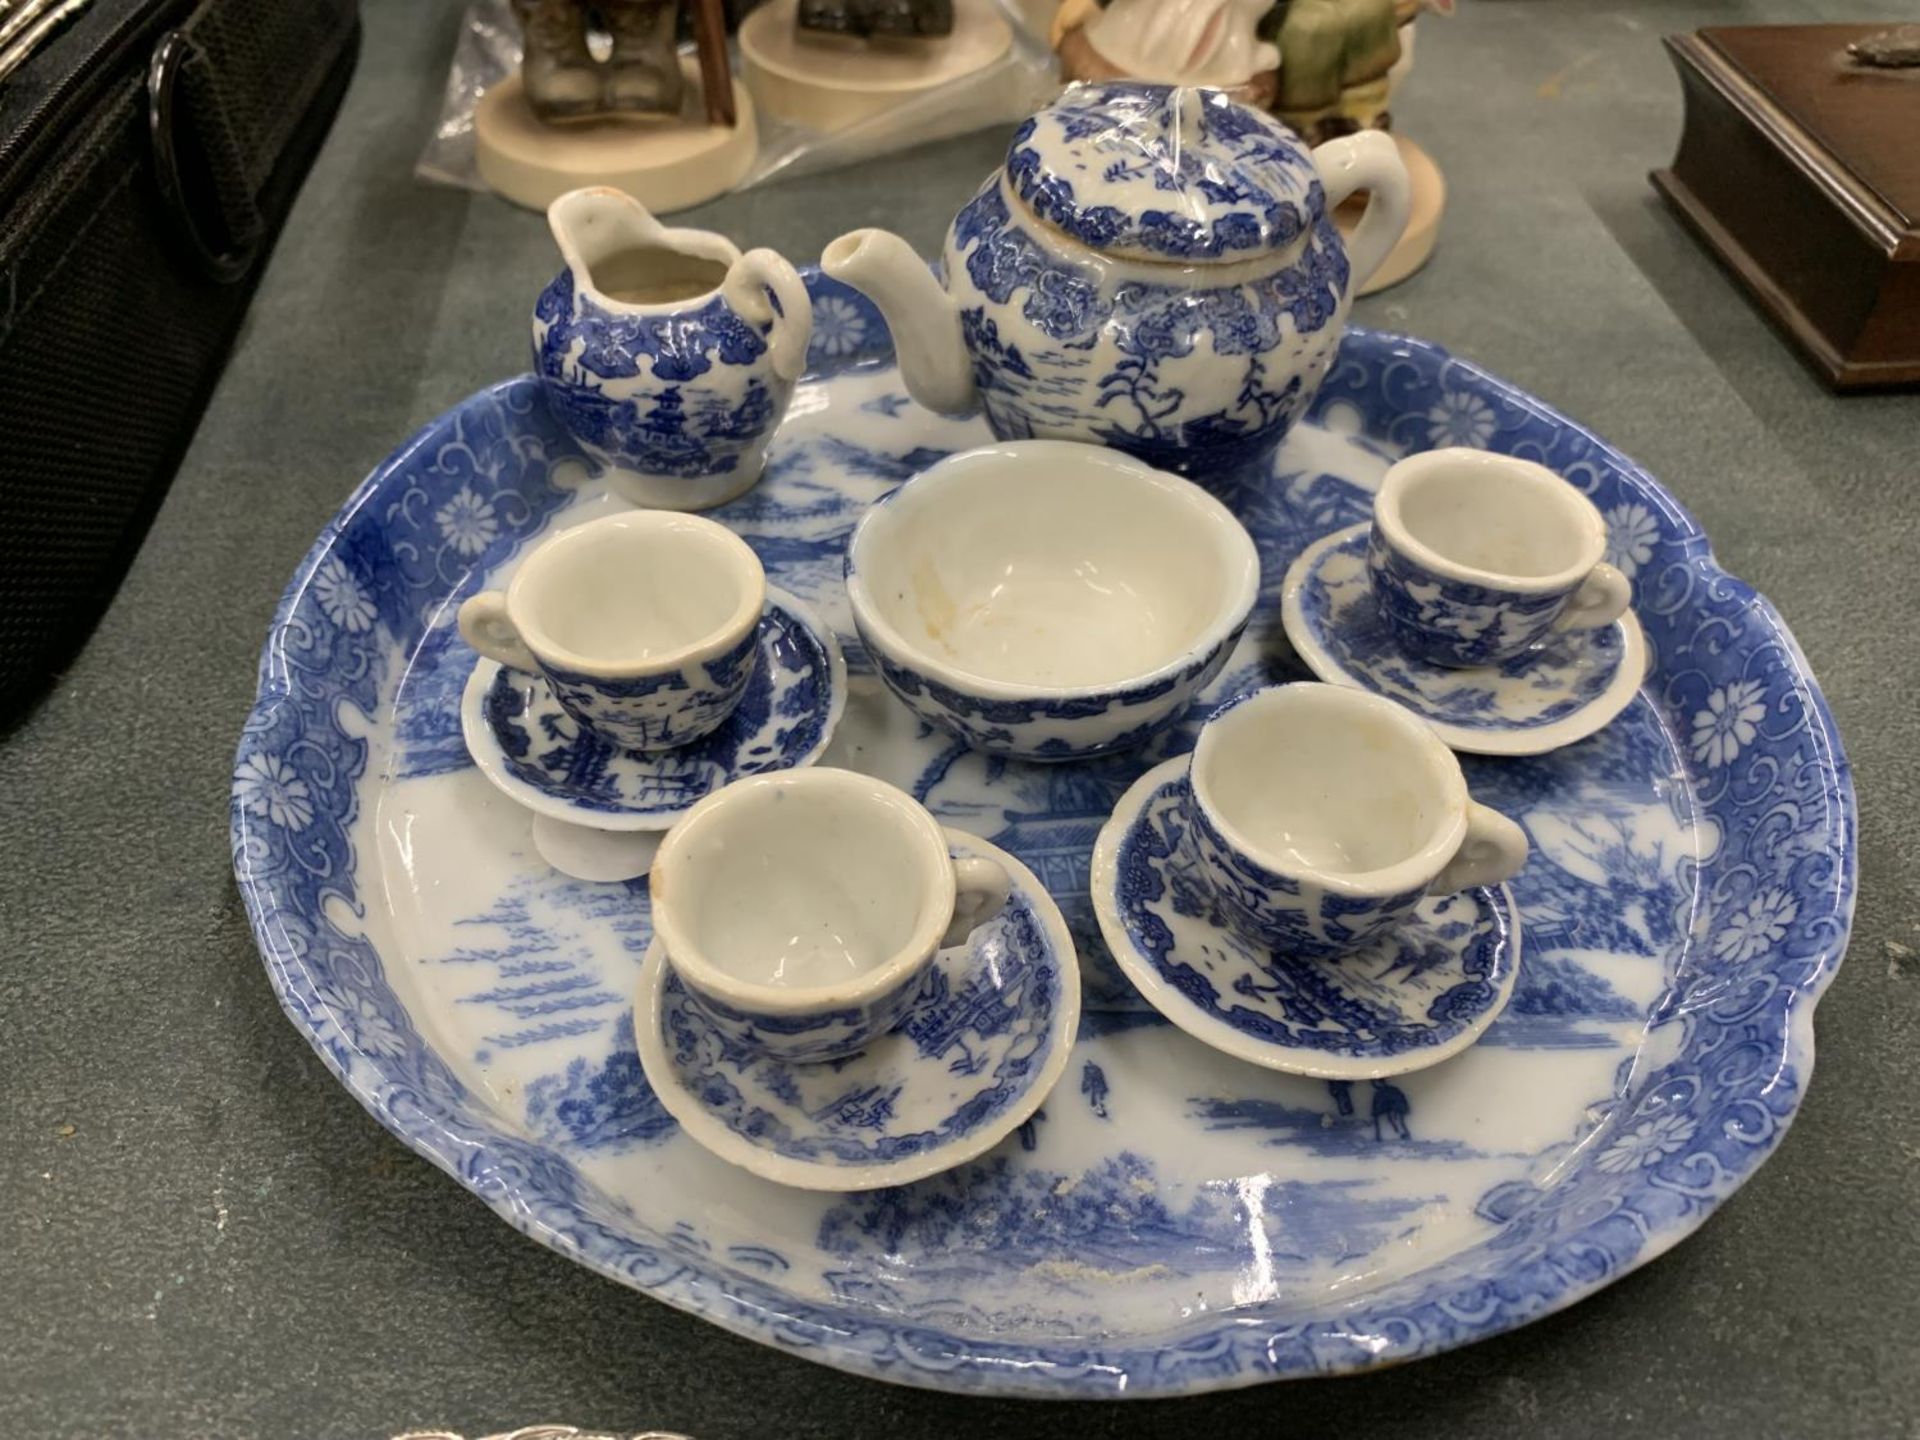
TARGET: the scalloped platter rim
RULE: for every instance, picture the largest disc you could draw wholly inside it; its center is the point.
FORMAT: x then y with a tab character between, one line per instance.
1172	1221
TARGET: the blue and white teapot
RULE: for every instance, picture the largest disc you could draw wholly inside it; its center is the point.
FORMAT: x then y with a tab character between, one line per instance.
1155	269
668	354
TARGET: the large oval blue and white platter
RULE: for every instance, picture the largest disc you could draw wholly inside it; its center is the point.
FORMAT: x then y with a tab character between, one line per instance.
1172	1220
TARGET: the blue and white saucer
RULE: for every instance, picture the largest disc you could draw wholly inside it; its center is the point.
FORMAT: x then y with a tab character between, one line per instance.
1415	998
973	1062
586	792
1560	692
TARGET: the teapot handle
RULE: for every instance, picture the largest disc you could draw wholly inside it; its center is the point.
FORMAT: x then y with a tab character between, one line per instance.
1367	161
765	289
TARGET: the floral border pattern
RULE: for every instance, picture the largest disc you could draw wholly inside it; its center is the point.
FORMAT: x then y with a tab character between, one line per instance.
1774	904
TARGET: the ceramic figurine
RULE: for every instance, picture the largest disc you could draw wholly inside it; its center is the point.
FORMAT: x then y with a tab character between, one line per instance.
667	353
1154	269
1047	600
893	19
1335	56
562	79
827	65
672	130
1327	67
801	910
1184	42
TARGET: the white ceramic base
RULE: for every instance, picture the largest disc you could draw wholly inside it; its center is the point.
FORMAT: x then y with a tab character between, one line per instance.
677	492
604	856
1416	243
664	164
829	83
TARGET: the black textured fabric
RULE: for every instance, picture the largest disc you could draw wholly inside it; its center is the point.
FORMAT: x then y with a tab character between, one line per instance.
112	327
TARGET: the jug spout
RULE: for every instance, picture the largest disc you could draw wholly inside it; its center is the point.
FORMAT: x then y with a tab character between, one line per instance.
592	225
620	255
923	318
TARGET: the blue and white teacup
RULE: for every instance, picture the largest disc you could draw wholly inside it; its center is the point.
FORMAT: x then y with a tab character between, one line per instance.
802	909
1476	558
643	623
1319	816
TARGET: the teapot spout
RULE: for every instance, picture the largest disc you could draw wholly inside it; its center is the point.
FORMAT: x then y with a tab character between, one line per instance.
923	318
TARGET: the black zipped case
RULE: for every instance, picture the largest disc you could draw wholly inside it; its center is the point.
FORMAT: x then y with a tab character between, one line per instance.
149	153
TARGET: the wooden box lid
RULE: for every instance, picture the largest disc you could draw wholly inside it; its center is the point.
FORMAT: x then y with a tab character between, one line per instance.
1799	166
1868	119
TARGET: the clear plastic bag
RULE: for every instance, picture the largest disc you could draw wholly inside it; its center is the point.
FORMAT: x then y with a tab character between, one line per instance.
1010	88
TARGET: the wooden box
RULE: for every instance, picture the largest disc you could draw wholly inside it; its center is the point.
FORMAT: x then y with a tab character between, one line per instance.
1800	168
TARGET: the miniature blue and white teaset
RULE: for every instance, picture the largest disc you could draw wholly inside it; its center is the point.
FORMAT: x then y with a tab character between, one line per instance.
1129	1079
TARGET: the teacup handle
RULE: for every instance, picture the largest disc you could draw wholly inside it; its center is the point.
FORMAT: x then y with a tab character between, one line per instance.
1603	597
746	289
485	625
1368	161
1494	850
981	889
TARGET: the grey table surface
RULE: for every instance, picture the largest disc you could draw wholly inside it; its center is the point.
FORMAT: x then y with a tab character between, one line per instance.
206	1236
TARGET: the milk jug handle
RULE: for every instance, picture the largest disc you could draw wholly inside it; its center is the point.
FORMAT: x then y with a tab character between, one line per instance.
1368	161
766	290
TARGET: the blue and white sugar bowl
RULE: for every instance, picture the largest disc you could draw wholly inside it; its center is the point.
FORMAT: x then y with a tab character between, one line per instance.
1047	600
1155	269
667	354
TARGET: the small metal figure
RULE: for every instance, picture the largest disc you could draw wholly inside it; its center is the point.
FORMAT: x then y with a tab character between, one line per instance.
887	18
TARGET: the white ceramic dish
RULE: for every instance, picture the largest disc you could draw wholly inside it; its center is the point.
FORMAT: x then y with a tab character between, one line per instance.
1321	817
599	811
539	756
644	624
1476	558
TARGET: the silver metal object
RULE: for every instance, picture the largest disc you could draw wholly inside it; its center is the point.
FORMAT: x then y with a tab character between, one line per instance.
1895	49
16	15
546	1432
23	32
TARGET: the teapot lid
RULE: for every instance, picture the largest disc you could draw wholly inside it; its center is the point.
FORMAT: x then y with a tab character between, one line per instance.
1163	172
